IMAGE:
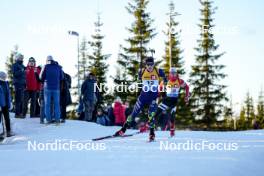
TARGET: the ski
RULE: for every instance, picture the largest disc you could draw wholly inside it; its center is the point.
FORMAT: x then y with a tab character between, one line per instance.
113	136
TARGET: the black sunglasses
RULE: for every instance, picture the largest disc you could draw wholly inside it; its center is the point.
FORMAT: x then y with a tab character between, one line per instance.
149	64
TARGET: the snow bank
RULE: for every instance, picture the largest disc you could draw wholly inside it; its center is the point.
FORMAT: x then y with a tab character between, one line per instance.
129	156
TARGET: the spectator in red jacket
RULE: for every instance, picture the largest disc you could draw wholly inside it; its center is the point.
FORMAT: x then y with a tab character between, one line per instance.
119	112
32	87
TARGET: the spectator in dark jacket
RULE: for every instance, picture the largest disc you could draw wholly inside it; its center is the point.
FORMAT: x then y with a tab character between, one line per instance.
41	96
19	81
98	103
80	109
88	96
5	102
39	90
110	114
52	76
65	95
32	86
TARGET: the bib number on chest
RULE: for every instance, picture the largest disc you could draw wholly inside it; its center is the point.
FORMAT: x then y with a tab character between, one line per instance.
150	85
173	91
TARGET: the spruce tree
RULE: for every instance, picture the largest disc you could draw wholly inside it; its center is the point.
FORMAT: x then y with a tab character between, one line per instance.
242	124
83	63
120	79
132	56
249	111
228	115
97	60
208	92
83	68
173	51
172	58
260	109
9	62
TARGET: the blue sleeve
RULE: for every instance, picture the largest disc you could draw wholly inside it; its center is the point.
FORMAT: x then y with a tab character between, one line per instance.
61	75
17	71
2	97
13	69
9	95
43	74
162	74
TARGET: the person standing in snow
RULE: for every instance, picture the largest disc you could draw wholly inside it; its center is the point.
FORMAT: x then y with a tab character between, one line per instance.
5	103
98	98
110	114
80	109
52	75
19	81
88	96
32	86
150	77
40	99
65	95
40	87
119	112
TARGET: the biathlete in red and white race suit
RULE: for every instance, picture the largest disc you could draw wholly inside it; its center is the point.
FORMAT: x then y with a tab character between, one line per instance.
169	102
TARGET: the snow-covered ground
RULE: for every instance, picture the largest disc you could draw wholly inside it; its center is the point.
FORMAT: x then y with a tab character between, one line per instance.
131	156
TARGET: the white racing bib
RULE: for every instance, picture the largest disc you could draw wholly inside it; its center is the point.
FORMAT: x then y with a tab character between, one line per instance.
150	85
173	91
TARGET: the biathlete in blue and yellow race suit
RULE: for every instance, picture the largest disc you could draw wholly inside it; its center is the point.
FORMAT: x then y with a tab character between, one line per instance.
151	77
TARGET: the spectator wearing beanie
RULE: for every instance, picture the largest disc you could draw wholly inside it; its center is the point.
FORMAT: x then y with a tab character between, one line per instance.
52	76
88	96
32	86
5	103
19	81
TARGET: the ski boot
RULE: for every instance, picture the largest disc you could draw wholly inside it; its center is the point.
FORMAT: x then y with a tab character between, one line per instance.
151	135
122	131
